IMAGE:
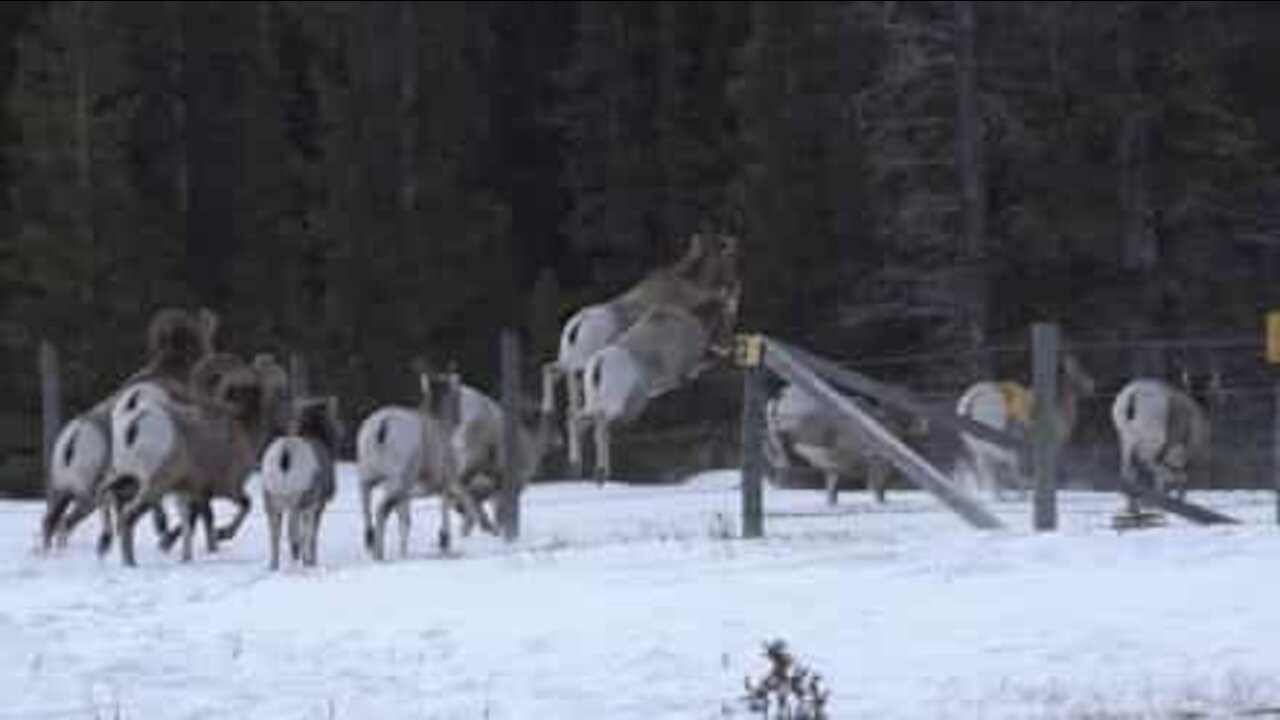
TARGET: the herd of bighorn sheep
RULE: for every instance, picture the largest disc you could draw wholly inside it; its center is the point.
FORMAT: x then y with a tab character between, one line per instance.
196	424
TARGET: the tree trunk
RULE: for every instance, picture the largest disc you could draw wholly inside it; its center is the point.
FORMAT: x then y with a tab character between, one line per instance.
973	194
407	116
1140	251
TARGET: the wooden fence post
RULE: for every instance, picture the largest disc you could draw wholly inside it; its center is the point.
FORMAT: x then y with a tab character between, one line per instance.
1045	451
749	356
50	402
509	508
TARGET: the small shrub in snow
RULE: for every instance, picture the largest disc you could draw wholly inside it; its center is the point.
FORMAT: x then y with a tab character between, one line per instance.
788	691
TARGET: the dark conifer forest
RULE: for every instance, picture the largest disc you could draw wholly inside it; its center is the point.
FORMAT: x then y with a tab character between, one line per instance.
366	183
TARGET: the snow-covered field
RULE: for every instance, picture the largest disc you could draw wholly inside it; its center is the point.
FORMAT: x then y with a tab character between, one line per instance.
630	603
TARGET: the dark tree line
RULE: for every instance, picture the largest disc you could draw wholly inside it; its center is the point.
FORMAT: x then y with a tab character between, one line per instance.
365	183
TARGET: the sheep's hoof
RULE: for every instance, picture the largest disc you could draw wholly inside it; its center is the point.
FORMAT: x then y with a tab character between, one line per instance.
443	541
368	540
168	539
104	544
1137	520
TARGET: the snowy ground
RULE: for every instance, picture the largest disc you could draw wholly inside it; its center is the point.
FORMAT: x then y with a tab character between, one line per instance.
632	603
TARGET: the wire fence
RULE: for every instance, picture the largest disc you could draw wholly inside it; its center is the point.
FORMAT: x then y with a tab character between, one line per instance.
1228	375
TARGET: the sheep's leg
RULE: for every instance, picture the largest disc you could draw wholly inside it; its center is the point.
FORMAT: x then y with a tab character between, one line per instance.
574	421
550	376
1009	478
210	533
833	487
80	509
405	516
1023	486
471	511
984	476
367	484
296	531
273	531
188	512
160	522
458	496
1128	471
105	535
444	540
385	506
126	519
604	462
57	503
488	520
242	503
878	476
313	534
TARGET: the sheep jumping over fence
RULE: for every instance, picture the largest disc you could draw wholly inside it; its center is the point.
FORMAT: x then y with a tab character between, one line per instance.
195	452
81	456
665	348
409	452
1008	406
298	478
1163	430
708	266
799	429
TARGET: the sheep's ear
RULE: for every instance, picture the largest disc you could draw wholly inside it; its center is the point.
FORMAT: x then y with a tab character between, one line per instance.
208	328
424	382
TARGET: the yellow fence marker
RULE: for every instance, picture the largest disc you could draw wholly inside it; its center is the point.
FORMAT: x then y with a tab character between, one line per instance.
748	350
1273	337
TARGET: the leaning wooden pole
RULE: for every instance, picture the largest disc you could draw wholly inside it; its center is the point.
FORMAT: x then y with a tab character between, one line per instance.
1045	449
780	360
750	358
50	402
509	509
849	381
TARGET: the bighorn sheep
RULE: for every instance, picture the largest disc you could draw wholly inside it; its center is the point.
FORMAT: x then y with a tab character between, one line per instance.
409	452
799	427
1162	429
1008	406
667	346
708	266
82	450
477	442
196	452
298	478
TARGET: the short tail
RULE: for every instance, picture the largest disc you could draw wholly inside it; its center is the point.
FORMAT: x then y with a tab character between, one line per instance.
69	452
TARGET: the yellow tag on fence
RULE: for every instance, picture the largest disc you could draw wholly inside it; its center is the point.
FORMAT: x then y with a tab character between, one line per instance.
1273	337
748	350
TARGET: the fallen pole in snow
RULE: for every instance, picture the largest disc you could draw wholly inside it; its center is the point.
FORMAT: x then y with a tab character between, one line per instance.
1197	514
